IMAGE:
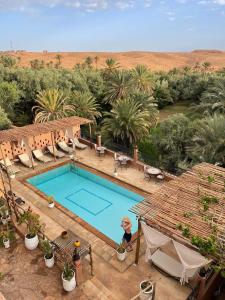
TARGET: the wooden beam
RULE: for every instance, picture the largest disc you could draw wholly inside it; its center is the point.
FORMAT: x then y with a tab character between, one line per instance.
138	242
53	144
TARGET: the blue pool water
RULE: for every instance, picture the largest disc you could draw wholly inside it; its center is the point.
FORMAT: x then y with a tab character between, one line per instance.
97	201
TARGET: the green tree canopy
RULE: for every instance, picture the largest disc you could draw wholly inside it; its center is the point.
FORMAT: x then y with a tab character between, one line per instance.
5	123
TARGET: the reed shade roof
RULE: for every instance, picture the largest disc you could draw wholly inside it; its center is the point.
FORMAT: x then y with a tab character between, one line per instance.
18	133
166	207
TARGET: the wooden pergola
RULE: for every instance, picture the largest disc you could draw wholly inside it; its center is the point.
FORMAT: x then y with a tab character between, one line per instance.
179	202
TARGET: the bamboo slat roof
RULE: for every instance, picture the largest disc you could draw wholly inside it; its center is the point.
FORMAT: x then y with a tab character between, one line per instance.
18	133
170	205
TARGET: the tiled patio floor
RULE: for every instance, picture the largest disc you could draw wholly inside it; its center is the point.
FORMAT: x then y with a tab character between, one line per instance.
121	279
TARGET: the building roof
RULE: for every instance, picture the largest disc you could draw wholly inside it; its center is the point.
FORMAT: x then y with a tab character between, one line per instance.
179	201
18	133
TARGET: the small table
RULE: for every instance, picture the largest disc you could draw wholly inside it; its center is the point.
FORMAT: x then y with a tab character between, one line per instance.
65	246
123	157
100	150
153	171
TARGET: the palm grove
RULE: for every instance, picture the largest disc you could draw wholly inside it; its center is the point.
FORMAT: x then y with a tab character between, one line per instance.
124	105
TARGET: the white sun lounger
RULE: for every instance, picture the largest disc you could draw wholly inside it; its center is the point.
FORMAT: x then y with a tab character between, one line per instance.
63	146
26	161
169	265
55	152
8	164
78	144
38	154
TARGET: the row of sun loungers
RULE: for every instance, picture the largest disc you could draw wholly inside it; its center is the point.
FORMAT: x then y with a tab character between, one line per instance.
29	162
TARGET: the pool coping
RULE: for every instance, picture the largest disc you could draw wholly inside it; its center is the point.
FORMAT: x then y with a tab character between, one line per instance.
73	216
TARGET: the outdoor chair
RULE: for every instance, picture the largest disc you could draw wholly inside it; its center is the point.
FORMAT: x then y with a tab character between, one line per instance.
160	177
146	174
63	146
123	163
55	152
78	144
8	164
38	154
26	161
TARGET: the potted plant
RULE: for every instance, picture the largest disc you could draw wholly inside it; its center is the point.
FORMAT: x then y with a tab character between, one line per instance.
4	215
33	227
68	278
5	238
121	252
51	202
2	202
47	249
146	290
115	172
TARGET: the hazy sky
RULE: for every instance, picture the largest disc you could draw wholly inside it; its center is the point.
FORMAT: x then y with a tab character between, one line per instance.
111	25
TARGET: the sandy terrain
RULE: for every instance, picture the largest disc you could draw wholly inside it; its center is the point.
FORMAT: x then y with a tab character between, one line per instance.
154	60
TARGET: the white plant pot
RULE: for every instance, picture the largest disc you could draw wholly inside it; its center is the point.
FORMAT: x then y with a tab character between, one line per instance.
4	220
69	285
12	176
51	205
121	256
6	243
146	295
31	243
115	174
49	262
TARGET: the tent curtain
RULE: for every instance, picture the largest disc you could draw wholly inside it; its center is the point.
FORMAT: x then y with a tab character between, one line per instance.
154	240
190	260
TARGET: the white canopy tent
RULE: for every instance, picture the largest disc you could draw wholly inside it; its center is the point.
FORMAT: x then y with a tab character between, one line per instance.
188	262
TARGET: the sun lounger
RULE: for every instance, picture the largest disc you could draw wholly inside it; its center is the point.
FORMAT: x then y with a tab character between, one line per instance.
55	152
38	154
63	146
78	144
8	164
26	161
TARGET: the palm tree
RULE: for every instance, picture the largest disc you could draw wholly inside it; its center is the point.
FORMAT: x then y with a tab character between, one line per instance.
142	78
111	65
212	100
85	105
118	86
88	61
96	58
58	57
127	122
51	106
208	142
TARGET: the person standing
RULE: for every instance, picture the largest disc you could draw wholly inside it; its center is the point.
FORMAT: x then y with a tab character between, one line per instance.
127	225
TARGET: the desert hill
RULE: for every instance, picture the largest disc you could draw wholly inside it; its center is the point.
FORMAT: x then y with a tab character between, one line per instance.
154	60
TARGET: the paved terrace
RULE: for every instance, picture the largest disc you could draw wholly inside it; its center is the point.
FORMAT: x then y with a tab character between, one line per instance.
115	279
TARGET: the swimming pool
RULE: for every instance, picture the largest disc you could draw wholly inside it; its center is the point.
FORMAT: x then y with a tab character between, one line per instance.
98	201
